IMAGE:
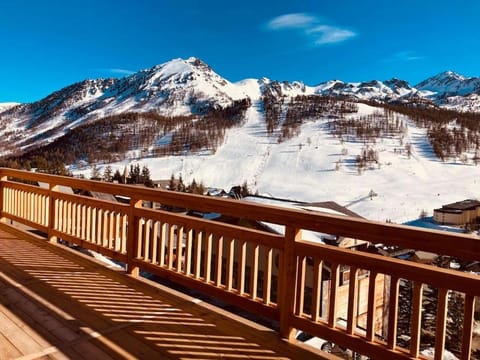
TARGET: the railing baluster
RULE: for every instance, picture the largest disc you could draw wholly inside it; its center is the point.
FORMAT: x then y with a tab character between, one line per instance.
393	312
188	252
76	220
468	312
106	228
18	200
112	229
146	240
352	300
69	218
230	263
301	286
54	217
155	234
242	267
416	319
198	255
440	332
124	234
179	249
88	224
267	276
316	289
332	312
31	207
83	224
254	272
100	226
60	218
218	270
372	306
171	242
208	258
163	241
93	225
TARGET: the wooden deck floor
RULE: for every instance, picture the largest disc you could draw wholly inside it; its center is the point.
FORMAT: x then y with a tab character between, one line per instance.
57	304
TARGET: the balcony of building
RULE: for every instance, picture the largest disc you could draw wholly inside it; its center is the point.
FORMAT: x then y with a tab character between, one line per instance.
57	302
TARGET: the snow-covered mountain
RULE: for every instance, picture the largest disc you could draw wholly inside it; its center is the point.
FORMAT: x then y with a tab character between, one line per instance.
453	91
7	105
372	90
449	83
189	86
178	87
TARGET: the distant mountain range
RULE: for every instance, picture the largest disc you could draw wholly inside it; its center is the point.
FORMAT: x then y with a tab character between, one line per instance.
189	86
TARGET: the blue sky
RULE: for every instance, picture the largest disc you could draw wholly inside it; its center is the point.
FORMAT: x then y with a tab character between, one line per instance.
47	45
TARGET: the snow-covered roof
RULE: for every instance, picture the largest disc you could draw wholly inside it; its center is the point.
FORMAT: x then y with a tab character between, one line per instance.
313	236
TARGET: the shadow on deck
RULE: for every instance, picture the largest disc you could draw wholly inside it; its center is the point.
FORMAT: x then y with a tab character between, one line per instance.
56	303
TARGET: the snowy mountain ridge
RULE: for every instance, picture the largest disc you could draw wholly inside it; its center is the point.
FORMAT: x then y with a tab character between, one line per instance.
186	86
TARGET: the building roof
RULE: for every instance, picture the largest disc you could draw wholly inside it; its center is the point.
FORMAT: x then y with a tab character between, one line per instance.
468	204
332	205
329	207
103	196
448	211
60	188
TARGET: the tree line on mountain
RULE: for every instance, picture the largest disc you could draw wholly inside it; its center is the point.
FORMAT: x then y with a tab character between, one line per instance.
272	108
368	128
111	138
451	133
299	109
206	132
304	107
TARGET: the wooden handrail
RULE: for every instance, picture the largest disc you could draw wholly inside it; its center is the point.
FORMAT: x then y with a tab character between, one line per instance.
320	289
440	242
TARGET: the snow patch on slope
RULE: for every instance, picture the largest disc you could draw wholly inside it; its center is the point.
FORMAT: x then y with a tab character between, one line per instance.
7	105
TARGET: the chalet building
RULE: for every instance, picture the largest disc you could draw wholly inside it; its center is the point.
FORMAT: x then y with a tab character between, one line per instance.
459	213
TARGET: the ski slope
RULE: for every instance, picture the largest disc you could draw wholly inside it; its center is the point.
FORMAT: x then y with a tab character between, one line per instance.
304	169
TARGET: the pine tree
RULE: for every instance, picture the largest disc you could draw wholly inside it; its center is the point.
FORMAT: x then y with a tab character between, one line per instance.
145	177
95	174
117	177
134	176
180	185
171	184
244	191
107	174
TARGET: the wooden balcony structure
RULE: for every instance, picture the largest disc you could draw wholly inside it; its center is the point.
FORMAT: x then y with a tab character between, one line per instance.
253	270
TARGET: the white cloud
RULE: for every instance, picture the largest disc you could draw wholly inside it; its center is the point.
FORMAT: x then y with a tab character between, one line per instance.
404	56
120	71
330	34
289	21
312	27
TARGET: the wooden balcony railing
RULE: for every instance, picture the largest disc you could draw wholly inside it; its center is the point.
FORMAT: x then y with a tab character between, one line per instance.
350	298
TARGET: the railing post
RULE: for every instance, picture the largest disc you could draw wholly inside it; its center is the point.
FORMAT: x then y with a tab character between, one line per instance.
52	219
2	179
287	283
132	238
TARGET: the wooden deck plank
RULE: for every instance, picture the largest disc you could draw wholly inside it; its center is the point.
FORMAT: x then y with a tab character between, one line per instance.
16	336
7	349
68	306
